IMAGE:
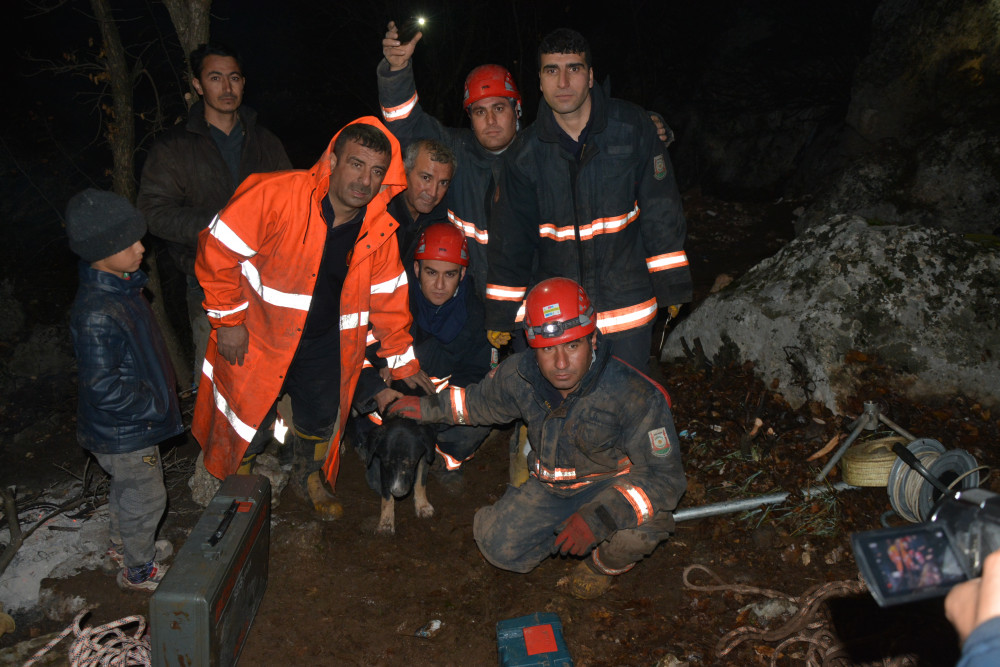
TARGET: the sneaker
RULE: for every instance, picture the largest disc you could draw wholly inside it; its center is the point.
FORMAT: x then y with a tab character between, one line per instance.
586	584
149	577
115	555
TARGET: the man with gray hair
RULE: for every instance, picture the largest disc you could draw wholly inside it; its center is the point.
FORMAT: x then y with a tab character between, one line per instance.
430	166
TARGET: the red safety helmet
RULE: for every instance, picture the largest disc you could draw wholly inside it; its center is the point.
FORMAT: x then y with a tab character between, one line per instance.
557	311
445	242
490	81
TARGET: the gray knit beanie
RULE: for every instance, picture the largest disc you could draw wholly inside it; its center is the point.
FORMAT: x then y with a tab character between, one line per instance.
100	224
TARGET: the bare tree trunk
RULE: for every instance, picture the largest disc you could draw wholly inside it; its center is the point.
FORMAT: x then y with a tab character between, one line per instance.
191	21
120	132
120	126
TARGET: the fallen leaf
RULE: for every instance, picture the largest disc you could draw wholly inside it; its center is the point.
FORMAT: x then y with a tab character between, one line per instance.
827	448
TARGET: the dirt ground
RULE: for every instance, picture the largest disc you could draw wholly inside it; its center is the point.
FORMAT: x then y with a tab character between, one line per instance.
339	595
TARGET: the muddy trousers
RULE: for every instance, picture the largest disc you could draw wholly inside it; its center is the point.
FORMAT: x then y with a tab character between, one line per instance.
519	531
136	501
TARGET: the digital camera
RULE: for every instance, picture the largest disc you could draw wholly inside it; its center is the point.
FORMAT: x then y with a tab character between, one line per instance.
914	562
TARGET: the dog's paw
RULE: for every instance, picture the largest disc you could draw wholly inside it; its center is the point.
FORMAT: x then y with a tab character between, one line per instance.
385	528
425	510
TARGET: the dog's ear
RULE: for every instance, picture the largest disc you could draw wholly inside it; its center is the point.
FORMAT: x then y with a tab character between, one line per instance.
376	443
430	441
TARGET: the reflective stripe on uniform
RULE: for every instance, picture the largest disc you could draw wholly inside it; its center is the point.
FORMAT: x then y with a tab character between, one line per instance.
391	285
504	293
638	499
457	404
604	569
588	231
440	384
401	111
478	235
556	475
242	429
621	319
450	462
227	237
271	295
400	360
222	313
670	260
353	320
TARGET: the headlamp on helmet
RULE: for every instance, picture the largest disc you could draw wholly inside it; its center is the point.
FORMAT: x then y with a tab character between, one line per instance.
557	311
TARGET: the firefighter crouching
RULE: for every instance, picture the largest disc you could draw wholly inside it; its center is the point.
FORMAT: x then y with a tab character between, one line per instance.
605	464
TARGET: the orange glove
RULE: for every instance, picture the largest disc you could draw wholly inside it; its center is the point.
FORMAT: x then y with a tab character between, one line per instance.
575	536
407	406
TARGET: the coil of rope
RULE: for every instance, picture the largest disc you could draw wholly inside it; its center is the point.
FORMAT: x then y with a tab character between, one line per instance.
810	625
912	493
104	646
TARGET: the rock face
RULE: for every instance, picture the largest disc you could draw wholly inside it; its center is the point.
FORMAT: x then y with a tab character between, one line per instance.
923	301
922	144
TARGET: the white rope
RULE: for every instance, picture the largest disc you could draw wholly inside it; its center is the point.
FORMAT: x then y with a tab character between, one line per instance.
105	645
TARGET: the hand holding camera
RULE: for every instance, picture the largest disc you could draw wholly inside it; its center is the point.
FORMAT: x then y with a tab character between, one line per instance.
907	563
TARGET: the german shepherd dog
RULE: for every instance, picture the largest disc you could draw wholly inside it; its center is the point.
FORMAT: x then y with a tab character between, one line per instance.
397	455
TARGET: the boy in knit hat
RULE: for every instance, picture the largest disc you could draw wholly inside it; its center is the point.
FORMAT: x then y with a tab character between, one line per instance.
127	403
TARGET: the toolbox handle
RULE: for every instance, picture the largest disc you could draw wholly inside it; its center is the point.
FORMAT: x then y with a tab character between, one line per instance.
227	519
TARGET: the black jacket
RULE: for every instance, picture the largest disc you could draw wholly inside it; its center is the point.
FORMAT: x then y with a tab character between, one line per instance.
127	399
470	194
185	181
610	220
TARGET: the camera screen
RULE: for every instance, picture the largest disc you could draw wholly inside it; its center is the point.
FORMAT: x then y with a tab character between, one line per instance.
907	563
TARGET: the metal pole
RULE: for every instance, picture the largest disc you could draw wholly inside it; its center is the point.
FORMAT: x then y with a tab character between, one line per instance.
732	506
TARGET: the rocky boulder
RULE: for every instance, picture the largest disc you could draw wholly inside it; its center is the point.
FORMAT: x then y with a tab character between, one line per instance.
922	301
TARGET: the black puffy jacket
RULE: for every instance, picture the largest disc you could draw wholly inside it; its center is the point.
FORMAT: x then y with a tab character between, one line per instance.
127	399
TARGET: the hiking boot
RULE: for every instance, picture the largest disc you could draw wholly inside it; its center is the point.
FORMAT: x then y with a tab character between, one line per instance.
586	584
115	555
322	501
144	578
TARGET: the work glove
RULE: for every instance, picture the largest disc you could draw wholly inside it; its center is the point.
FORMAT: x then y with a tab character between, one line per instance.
575	536
673	311
498	338
407	406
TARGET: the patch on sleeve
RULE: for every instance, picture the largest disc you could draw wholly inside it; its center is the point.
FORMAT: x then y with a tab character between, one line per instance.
658	442
659	167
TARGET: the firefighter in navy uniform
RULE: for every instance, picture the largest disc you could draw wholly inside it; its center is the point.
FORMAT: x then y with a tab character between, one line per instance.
449	341
605	465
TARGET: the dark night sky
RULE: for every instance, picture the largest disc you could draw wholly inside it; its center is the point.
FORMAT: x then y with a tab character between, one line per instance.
310	63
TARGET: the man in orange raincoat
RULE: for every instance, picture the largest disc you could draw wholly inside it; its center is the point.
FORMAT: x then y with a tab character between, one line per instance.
295	268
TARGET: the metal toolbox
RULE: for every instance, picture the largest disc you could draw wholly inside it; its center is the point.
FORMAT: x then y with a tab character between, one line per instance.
201	612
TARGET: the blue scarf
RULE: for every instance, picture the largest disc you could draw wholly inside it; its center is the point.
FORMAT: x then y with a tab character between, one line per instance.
446	321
